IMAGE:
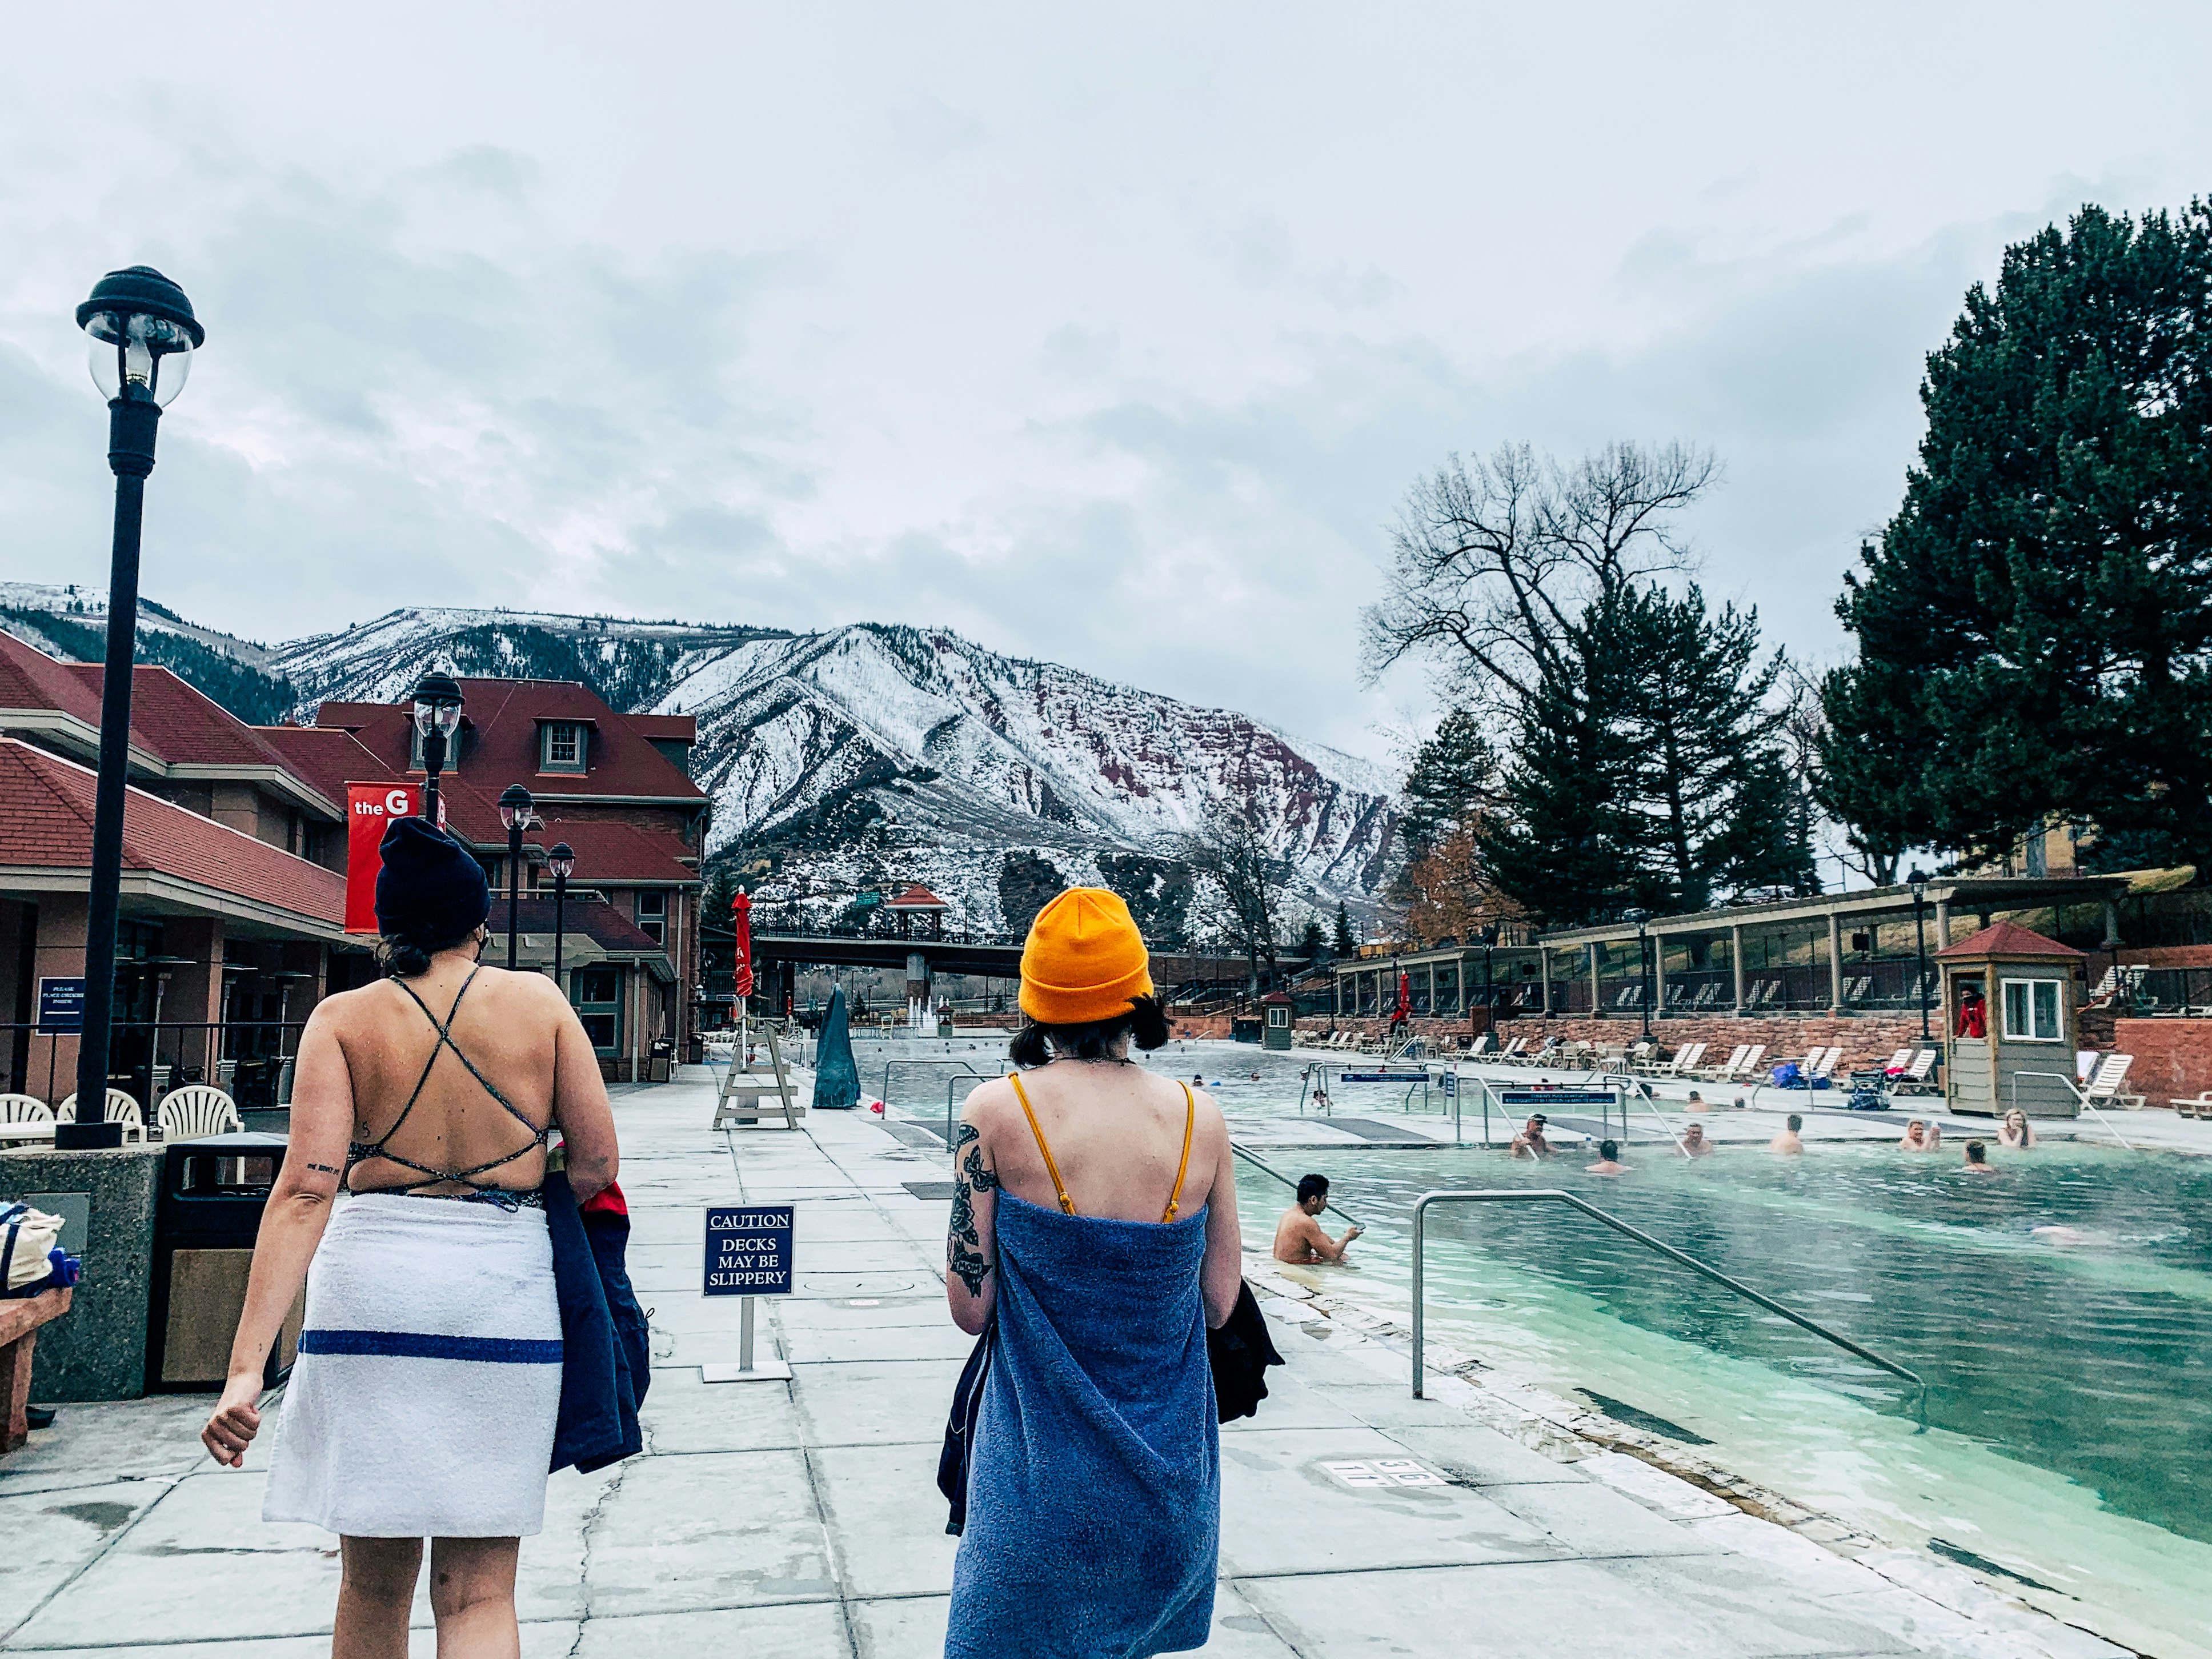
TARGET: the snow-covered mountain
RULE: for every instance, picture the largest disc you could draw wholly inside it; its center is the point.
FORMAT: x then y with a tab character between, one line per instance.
870	754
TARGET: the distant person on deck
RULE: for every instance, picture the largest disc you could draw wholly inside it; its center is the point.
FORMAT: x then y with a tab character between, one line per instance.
1787	1142
2014	1131
1608	1160
1530	1142
1299	1239
1973	1015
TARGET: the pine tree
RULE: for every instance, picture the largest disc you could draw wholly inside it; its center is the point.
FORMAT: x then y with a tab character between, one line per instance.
1453	775
1342	942
1312	942
2034	625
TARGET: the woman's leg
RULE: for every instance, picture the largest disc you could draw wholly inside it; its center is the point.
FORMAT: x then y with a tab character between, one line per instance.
373	1596
473	1594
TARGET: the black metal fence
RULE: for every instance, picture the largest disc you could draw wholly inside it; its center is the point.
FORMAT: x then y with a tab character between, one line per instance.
247	1059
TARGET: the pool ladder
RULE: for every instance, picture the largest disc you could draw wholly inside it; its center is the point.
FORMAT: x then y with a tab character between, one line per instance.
1552	1195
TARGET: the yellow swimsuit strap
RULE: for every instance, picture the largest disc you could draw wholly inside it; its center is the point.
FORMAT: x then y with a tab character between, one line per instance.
1190	1120
1068	1204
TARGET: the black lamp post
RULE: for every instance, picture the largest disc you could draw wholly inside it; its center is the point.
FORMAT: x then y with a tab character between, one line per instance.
517	811
437	717
1918	882
1643	921
560	859
143	335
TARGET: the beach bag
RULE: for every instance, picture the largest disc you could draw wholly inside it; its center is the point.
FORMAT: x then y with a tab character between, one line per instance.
27	1239
960	1430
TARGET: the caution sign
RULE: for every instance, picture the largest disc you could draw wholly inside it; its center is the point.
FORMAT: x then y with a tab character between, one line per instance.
748	1249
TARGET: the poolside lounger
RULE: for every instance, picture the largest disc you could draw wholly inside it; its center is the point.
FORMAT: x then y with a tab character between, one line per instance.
1750	1067
1727	1068
1708	995
2107	1087
1916	1078
2198	1106
1897	1061
1684	1057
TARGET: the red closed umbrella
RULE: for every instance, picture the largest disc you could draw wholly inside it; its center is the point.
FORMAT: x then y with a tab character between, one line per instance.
741	923
1404	995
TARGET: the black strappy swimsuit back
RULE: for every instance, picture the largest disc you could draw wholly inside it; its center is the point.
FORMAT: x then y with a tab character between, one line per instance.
361	1152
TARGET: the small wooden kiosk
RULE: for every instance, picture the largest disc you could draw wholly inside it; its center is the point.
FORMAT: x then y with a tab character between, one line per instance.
1276	1034
2009	999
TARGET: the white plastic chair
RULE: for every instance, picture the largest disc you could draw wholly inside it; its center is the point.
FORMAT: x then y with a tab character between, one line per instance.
122	1107
197	1109
23	1109
2105	1088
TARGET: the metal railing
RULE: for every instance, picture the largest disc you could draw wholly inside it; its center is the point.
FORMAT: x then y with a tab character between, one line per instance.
950	1084
2079	1094
1552	1195
1266	1169
149	1059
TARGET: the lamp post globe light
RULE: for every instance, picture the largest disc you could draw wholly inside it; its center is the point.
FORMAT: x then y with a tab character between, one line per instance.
1918	883
1643	921
518	812
560	859
437	717
141	334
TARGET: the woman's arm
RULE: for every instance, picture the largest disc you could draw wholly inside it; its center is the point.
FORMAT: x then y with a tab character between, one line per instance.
291	1226
1221	1274
971	1245
581	1111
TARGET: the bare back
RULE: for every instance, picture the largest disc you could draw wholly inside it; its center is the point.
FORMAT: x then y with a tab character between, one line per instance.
514	1029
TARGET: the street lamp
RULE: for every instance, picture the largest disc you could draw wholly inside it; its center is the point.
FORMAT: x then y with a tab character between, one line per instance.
560	859
142	335
1643	921
1918	882
437	717
518	812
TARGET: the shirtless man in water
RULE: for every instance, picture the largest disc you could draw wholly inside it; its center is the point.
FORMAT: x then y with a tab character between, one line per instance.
1299	1239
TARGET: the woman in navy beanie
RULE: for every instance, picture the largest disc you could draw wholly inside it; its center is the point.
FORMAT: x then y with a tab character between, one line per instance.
423	1403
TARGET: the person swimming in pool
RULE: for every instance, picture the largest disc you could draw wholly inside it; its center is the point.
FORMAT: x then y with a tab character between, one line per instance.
1788	1142
1696	1102
2015	1130
1299	1239
1978	1159
1693	1143
1922	1136
1530	1142
1608	1160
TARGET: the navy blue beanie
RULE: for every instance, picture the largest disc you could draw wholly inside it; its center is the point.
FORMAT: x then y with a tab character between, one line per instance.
430	889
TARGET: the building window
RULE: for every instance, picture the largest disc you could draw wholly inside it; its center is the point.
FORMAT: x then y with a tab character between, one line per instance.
652	915
597	993
2031	1010
563	747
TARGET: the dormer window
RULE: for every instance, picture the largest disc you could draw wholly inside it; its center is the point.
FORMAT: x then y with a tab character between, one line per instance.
562	745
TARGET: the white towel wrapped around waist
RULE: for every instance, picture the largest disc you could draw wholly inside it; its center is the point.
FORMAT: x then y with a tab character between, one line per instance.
423	1399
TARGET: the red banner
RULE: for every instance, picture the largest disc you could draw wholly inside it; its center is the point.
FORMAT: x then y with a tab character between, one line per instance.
370	808
741	923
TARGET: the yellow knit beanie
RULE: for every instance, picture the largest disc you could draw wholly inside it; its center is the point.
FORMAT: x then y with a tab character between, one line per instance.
1083	960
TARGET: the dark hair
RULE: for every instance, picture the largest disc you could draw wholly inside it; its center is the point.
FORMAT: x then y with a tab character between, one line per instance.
1796	1121
398	957
1311	1187
1608	1150
1145	1023
1975	1151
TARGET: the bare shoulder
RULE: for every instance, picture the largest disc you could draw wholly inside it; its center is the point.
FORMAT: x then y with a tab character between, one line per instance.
989	1103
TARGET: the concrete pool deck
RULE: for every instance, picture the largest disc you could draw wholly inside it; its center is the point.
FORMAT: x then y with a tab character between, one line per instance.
801	1518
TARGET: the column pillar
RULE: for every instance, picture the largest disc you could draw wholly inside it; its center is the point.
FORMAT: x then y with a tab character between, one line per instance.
1835	963
1544	968
2112	925
1596	981
1658	975
1735	964
1433	1010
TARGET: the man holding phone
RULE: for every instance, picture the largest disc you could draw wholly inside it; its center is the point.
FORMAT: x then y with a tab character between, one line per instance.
1299	1239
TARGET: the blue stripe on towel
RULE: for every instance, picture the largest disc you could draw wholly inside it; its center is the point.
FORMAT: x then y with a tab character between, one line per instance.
419	1344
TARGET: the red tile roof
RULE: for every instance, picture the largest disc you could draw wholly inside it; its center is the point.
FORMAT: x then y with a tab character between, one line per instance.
917	897
2007	939
595	919
178	722
46	823
502	719
29	678
328	758
608	851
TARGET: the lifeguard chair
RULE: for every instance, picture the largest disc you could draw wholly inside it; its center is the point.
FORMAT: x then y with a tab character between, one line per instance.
2010	1001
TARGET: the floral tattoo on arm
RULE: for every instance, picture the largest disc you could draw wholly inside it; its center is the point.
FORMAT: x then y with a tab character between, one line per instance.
963	1248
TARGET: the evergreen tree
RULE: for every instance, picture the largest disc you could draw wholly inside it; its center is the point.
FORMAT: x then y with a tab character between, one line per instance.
1453	775
2035	626
1342	943
1312	942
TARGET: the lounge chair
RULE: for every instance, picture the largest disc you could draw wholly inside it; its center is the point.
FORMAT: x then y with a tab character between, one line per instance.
121	1109
2197	1106
1823	1062
1709	995
1727	1068
2108	1086
1511	1054
195	1110
1897	1061
1918	1077
1749	1070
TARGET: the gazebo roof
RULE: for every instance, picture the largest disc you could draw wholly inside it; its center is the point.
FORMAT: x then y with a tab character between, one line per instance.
917	897
2007	939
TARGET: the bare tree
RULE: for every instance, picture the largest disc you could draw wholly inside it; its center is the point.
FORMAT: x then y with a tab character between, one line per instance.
1490	560
1237	880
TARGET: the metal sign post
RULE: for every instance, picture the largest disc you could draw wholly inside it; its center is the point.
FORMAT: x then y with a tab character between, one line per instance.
749	1254
1452	1099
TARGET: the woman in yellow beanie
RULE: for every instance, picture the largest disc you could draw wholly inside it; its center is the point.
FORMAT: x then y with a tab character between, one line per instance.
1094	1237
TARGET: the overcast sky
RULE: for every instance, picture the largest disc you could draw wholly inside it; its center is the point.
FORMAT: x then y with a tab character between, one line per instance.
1111	335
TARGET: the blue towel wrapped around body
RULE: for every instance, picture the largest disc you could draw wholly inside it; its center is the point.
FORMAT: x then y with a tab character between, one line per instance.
1094	1497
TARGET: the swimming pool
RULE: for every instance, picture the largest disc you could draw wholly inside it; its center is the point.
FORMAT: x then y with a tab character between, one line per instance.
2069	1383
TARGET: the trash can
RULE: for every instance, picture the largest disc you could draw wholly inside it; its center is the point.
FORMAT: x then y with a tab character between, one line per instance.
207	1210
661	1061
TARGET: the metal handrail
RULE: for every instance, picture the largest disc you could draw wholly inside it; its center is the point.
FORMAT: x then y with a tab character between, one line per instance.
1287	1181
2079	1095
950	1084
1526	1195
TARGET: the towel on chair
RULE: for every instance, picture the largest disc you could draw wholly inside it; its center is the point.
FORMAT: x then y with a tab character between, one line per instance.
1094	1487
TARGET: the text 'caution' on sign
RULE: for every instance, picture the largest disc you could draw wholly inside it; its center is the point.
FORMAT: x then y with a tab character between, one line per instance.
748	1249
